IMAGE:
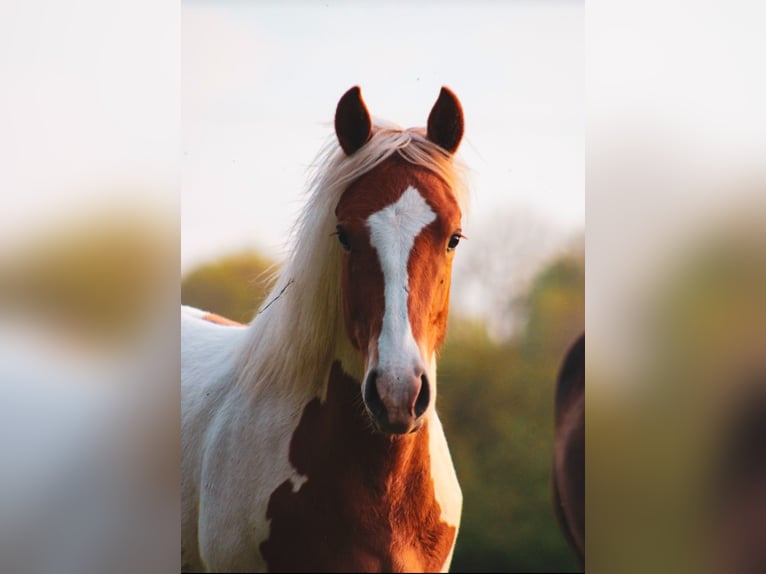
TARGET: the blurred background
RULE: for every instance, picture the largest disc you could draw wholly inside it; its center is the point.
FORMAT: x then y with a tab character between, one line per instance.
89	266
260	86
675	306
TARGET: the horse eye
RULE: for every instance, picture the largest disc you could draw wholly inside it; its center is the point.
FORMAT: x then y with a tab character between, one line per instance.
343	238
453	241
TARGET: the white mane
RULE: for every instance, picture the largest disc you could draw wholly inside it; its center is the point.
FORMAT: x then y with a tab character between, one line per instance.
299	328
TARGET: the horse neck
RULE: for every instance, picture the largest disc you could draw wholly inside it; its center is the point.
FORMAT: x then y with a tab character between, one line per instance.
308	360
367	500
299	331
333	430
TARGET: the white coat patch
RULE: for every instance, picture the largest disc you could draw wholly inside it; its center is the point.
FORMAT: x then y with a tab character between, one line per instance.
393	230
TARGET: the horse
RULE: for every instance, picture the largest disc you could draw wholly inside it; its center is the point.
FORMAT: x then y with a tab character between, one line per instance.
737	488
310	439
568	469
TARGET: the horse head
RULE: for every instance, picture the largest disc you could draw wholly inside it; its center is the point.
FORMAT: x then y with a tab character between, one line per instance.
398	226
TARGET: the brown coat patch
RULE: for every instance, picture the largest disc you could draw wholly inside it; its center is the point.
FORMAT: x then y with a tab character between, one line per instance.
218	320
368	504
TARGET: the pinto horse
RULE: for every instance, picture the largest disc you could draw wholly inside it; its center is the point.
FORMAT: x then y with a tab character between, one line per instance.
310	437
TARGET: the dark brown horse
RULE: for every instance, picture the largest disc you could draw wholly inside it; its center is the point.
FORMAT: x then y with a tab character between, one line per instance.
739	494
568	473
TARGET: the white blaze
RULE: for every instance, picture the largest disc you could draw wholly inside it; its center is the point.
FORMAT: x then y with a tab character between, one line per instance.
393	230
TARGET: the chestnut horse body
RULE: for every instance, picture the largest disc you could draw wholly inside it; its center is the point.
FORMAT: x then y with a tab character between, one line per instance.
310	437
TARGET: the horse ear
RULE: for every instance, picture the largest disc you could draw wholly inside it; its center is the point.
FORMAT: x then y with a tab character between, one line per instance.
353	125
445	122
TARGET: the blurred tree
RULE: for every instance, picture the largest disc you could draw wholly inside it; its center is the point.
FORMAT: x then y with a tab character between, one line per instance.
497	265
496	402
98	275
555	306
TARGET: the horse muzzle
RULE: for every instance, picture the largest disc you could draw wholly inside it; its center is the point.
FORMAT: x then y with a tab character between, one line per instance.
397	399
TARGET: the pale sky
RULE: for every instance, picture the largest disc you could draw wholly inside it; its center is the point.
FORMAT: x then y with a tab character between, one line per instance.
89	111
260	82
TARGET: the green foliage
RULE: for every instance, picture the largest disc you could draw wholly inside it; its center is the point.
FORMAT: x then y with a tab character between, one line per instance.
97	277
233	286
496	402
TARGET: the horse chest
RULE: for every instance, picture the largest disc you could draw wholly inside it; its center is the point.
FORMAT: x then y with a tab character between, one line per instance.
355	530
368	503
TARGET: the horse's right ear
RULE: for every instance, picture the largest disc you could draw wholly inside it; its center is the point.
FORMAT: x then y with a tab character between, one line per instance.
353	125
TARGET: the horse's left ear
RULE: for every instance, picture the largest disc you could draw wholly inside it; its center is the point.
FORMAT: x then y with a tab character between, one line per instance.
353	124
445	122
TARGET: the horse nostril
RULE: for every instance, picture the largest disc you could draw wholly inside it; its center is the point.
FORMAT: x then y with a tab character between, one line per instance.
424	396
370	394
